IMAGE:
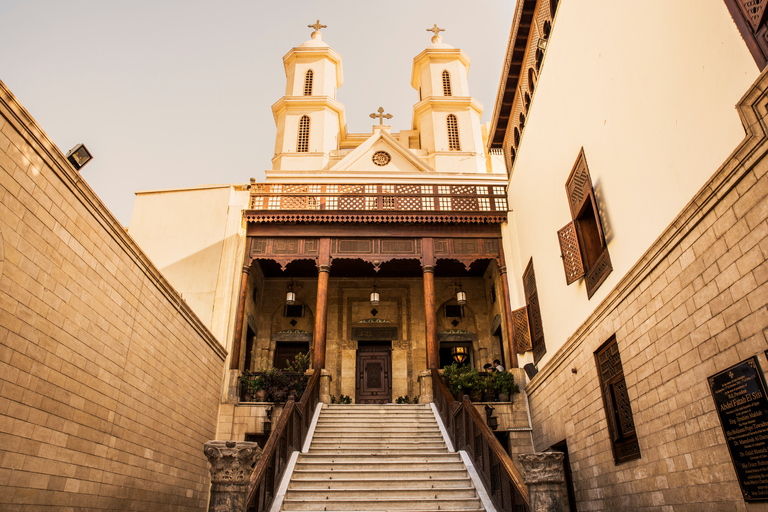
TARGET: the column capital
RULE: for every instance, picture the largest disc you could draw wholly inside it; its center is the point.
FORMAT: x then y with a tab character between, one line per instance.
428	269
502	269
324	268
542	467
246	269
231	461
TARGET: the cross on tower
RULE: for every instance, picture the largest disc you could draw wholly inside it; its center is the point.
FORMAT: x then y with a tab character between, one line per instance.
317	26
381	115
436	30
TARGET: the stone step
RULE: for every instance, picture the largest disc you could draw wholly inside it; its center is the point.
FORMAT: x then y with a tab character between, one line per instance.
354	438
376	494
362	466
442	472
384	504
383	482
375	414
370	452
405	442
375	407
426	456
377	424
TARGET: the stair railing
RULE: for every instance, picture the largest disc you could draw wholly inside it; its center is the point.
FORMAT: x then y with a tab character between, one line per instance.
468	432
287	437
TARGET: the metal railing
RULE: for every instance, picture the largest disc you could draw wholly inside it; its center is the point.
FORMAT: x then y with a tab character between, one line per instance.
411	197
468	432
287	437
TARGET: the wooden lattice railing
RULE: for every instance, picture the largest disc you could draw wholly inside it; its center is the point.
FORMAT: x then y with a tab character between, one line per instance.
468	432
404	198
287	437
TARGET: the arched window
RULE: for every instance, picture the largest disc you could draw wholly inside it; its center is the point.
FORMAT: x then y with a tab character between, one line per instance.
302	146
522	120
517	137
446	83
531	79
453	133
527	101
308	82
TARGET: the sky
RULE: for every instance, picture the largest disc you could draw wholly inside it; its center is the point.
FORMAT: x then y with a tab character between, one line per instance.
178	93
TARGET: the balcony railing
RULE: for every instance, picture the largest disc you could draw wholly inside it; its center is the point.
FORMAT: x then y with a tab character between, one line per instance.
394	198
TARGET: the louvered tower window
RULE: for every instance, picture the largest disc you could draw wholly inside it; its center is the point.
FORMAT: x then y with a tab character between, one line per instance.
446	83
453	133
308	82
302	145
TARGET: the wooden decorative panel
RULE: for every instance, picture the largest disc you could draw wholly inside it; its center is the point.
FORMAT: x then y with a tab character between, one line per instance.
441	246
398	246
491	246
351	202
753	11
463	204
570	252
259	246
598	273
521	329
408	189
534	313
465	246
609	362
285	246
408	203
355	246
310	246
579	185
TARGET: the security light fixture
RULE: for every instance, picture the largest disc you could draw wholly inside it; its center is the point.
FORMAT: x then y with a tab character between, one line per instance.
78	156
460	354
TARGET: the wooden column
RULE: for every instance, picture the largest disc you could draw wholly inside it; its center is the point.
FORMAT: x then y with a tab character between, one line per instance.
507	309
430	316
321	306
237	337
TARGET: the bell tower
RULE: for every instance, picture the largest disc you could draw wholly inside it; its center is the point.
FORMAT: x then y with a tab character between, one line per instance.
310	121
446	116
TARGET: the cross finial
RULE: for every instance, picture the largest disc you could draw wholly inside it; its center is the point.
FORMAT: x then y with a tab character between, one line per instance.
436	38
317	26
381	115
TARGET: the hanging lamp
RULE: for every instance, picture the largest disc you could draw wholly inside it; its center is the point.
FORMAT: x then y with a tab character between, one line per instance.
290	296
461	296
460	354
374	294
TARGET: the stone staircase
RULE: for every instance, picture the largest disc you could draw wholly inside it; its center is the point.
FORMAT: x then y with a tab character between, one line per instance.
379	458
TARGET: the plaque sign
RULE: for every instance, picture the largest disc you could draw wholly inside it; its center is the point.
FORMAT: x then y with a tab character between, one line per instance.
742	405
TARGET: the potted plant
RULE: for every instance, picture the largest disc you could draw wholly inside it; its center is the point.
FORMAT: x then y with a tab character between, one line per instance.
505	386
453	375
252	388
489	395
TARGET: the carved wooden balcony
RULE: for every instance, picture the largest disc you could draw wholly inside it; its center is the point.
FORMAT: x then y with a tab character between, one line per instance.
377	203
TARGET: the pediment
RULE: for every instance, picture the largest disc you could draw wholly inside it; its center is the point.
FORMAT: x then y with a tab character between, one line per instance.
401	159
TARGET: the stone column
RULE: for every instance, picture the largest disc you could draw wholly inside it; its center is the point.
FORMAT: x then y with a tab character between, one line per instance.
430	316
324	392
321	306
543	474
237	336
231	463
512	363
425	387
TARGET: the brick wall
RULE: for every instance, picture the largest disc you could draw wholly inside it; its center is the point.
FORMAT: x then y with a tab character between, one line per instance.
109	384
694	305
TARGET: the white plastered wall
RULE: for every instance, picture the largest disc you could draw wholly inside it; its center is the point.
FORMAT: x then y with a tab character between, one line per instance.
649	91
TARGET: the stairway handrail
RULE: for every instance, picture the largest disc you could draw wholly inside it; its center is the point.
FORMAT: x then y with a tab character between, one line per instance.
287	437
469	432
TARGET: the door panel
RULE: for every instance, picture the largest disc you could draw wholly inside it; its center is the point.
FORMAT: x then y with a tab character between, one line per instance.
374	383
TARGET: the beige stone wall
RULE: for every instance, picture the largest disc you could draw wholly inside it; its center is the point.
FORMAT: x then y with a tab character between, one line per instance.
695	304
109	383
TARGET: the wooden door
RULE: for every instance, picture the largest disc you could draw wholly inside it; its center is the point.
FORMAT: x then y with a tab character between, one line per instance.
374	369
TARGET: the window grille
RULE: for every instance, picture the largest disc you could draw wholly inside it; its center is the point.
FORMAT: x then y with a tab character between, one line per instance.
446	83
302	145
308	78
453	133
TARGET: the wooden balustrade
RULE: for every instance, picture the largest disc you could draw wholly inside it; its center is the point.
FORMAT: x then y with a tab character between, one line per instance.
287	437
468	432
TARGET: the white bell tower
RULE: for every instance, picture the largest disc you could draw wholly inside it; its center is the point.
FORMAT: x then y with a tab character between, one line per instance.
310	122
446	116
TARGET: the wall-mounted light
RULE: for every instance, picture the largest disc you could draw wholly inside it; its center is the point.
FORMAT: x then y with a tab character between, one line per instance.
374	294
461	296
460	354
290	295
78	156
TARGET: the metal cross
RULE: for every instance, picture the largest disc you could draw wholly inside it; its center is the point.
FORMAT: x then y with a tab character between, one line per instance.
436	30
381	115
318	26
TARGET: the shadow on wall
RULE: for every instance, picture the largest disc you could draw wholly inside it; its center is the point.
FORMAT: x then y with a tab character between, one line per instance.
196	277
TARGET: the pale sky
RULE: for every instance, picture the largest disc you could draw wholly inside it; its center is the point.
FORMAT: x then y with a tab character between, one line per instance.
177	93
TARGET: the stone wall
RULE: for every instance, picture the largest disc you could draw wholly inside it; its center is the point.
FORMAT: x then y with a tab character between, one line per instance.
109	384
694	304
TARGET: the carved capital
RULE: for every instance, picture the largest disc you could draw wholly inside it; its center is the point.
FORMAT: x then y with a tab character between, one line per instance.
246	269
428	269
324	268
542	468
231	461
502	269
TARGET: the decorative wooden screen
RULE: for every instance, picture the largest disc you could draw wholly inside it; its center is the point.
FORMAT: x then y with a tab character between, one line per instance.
618	410
446	83
534	313
302	144
308	78
453	133
582	242
522	331
749	16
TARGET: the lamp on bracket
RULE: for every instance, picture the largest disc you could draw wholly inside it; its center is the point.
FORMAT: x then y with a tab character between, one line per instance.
374	294
290	295
460	354
461	295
